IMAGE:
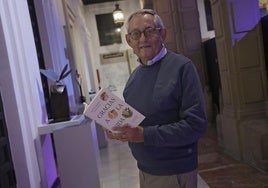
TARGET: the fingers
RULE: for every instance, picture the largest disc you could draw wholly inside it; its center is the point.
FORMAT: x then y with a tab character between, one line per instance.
118	135
109	134
126	133
119	129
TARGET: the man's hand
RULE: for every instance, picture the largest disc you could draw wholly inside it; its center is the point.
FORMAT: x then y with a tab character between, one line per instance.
126	133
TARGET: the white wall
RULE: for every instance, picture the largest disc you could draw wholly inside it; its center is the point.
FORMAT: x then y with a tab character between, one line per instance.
82	48
205	34
20	88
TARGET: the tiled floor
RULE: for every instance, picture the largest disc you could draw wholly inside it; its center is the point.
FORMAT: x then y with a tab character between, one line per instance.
118	167
222	171
217	170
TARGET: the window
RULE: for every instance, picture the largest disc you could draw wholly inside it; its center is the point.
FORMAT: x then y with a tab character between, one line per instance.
107	30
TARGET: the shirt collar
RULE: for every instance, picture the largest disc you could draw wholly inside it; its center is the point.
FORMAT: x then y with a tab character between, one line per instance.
159	56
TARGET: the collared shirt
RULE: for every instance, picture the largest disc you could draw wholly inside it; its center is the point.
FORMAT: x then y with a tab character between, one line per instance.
159	56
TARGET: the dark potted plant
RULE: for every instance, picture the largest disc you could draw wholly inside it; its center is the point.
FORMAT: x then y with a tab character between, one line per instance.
59	102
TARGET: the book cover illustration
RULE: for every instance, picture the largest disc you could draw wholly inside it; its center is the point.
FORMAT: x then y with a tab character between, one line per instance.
109	111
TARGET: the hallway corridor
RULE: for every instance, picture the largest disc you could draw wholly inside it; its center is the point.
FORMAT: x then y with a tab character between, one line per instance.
217	170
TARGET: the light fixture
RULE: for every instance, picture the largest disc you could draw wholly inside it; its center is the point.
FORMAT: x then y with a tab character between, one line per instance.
118	16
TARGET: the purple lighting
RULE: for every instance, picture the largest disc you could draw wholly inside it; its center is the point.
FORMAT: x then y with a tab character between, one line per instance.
49	161
244	15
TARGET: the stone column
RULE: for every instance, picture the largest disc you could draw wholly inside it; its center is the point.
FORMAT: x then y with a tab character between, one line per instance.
242	123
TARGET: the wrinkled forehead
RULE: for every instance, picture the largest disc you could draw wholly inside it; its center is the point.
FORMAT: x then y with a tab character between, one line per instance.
142	12
141	22
157	21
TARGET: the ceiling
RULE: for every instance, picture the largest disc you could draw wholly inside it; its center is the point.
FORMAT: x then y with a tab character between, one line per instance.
88	2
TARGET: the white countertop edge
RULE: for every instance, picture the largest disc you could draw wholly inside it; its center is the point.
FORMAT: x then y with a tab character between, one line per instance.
52	127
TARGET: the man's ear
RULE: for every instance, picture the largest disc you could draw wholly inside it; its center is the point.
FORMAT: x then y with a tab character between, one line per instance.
163	34
128	39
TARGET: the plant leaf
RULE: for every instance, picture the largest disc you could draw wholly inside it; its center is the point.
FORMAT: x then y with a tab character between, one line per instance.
66	74
50	74
62	72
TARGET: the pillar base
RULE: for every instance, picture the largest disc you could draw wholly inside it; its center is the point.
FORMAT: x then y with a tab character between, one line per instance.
256	143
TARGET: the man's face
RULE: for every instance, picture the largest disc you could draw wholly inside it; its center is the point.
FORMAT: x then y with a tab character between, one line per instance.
145	47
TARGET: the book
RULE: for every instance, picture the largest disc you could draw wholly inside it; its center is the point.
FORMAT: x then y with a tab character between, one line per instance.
109	111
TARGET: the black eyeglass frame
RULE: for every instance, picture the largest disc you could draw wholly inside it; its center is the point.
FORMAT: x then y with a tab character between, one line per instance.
148	32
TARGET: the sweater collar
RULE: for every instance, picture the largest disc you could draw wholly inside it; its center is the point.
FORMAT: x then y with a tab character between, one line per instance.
159	56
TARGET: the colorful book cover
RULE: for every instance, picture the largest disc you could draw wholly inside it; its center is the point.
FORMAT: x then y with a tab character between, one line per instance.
109	111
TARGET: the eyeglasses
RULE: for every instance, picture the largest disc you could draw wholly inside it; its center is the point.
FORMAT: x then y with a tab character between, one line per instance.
148	32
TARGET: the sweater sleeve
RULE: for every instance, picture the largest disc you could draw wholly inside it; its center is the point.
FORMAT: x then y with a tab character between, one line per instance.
192	118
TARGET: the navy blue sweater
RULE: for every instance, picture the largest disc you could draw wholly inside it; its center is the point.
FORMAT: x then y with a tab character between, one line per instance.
170	95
